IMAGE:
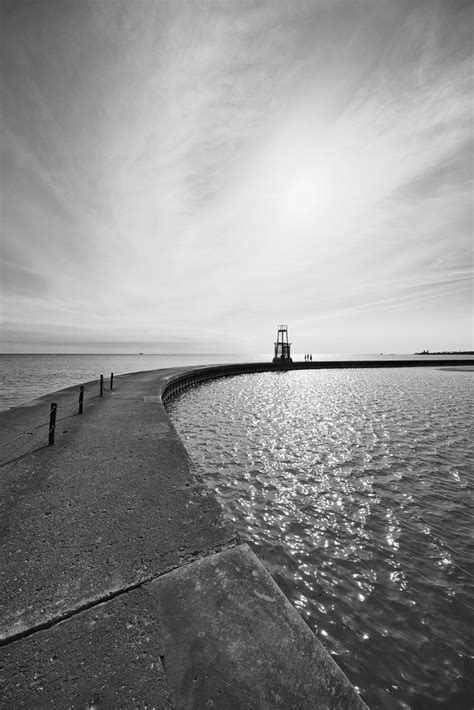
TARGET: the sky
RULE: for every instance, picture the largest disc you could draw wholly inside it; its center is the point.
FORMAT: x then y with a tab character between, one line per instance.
183	176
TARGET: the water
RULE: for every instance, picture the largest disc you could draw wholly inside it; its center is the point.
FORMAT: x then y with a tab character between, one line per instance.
25	377
354	487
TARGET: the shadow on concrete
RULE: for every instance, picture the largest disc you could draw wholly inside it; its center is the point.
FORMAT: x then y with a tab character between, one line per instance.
22	456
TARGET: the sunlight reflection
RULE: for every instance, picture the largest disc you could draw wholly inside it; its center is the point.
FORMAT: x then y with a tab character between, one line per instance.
333	485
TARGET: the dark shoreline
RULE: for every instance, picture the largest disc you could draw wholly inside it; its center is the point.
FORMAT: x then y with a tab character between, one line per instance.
461	353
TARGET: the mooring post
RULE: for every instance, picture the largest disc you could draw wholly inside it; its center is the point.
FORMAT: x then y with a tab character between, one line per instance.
52	422
101	385
81	398
111	380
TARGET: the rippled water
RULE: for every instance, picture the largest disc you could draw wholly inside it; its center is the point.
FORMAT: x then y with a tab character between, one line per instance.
354	487
26	376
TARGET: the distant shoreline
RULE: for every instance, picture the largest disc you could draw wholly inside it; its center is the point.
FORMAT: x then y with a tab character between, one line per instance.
447	352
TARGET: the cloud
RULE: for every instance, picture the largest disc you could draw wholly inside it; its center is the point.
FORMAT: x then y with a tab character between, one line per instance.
194	170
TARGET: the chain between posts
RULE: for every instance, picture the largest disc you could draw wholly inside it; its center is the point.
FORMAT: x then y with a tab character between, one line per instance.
53	418
101	383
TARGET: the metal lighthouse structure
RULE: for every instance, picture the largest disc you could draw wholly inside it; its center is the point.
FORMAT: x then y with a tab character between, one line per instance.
282	346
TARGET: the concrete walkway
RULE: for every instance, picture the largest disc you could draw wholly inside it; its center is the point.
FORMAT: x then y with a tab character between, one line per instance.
122	584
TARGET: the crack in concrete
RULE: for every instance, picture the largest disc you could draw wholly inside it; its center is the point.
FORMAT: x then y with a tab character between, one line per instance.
86	606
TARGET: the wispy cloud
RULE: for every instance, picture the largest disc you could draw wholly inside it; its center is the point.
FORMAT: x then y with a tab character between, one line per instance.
196	171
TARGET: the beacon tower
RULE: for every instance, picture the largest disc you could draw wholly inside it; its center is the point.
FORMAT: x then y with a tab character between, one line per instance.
282	346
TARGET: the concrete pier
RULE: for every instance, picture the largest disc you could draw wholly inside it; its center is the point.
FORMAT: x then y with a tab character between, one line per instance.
122	583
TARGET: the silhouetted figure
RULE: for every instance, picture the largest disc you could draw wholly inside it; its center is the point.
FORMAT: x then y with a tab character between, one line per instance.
311	357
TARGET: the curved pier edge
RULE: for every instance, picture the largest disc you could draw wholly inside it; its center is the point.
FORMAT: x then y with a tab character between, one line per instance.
176	383
122	583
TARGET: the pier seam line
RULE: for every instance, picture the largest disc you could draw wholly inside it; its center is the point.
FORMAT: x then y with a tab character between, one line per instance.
86	606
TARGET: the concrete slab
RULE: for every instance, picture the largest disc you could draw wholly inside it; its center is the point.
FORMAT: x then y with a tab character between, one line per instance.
87	524
233	641
106	657
113	503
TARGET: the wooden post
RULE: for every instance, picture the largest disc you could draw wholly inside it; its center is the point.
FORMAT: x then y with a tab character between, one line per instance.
111	380
81	398
101	385
52	422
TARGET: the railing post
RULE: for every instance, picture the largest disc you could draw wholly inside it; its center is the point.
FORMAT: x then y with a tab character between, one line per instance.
52	422
81	398
111	380
101	385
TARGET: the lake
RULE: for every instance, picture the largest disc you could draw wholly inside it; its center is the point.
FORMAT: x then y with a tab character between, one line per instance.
354	487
